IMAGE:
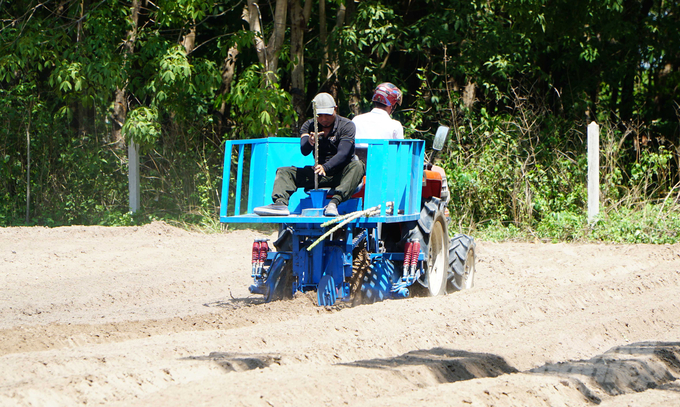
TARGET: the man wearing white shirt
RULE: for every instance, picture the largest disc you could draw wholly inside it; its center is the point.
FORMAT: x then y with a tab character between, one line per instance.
378	124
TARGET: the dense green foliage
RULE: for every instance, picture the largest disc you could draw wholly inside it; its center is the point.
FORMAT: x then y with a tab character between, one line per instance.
517	81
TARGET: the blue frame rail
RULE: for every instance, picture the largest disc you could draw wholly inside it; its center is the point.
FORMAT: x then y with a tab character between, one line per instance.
394	172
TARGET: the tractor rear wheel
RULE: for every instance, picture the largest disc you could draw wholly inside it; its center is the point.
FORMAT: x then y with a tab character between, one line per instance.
461	263
436	262
432	231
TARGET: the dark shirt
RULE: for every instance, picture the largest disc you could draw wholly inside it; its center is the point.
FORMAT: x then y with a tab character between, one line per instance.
336	149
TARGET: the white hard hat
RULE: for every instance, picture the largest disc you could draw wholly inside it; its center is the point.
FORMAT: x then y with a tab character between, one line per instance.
325	104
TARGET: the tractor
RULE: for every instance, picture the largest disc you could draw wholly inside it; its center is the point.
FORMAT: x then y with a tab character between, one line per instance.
389	241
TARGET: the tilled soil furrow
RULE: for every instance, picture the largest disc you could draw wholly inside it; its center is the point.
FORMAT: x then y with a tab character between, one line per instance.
156	316
348	339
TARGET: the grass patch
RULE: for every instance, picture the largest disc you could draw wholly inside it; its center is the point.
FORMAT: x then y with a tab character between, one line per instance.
648	223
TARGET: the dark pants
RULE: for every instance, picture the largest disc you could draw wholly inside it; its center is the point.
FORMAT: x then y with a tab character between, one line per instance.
289	179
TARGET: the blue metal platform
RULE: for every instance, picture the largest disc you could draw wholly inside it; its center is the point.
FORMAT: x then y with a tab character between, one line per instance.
360	222
393	174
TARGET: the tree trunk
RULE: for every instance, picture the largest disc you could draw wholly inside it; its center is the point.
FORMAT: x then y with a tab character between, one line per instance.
278	35
120	106
334	64
251	14
627	97
28	164
81	111
351	9
634	13
228	69
298	25
355	97
323	37
268	53
119	116
613	102
189	43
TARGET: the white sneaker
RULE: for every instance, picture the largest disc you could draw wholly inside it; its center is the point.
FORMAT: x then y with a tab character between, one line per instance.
331	210
275	209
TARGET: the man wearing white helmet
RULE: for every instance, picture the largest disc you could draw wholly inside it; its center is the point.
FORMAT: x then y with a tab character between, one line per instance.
378	124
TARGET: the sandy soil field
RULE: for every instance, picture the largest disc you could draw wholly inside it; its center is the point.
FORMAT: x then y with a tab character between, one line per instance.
158	316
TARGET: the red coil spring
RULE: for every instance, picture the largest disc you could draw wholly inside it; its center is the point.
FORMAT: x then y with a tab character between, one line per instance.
264	249
256	251
407	256
415	251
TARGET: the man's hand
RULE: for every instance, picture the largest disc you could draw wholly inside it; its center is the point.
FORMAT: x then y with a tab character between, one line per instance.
312	137
320	170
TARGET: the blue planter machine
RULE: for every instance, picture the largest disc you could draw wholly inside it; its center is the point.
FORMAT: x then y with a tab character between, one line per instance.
367	259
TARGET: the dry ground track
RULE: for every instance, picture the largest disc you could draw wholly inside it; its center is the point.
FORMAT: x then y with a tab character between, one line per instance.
159	316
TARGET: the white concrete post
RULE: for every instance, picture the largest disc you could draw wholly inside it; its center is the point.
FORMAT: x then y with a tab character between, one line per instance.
133	176
593	171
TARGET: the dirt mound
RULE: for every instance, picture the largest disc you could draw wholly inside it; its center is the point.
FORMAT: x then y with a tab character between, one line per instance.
156	315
